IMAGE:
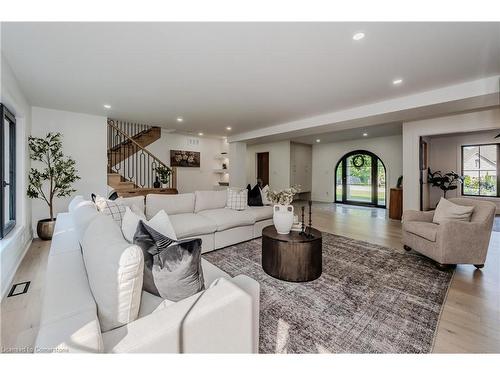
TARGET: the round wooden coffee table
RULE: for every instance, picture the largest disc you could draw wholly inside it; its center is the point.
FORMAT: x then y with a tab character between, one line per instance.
291	257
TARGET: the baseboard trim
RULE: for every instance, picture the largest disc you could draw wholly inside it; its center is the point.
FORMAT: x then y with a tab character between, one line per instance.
5	288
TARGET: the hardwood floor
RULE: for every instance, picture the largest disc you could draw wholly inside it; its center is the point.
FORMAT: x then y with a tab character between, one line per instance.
470	320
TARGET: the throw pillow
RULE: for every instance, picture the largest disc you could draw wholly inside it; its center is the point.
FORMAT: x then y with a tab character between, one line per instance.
160	222
110	208
172	269
254	197
133	201
449	211
237	199
115	271
263	194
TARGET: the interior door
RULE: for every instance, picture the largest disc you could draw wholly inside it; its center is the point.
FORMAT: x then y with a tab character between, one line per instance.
263	167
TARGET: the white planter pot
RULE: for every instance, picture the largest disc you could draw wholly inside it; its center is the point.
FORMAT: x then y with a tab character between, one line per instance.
283	218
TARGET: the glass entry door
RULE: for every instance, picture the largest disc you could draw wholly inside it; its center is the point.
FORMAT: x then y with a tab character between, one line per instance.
360	179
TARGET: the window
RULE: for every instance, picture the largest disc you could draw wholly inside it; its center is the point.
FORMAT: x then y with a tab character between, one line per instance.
481	170
7	171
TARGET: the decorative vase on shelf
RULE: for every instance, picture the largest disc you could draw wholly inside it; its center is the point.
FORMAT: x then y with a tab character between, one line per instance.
157	183
283	218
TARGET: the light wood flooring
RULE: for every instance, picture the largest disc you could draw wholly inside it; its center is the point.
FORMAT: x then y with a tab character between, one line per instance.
470	321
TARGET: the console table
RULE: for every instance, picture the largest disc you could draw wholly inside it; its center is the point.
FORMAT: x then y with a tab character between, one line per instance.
291	257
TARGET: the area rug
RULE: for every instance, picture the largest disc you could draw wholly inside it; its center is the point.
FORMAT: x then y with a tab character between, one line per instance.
369	299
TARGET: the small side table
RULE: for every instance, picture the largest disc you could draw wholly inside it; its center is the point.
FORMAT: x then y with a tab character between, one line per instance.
396	204
292	257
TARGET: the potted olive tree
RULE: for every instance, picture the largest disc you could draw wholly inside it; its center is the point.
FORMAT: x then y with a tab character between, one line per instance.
54	179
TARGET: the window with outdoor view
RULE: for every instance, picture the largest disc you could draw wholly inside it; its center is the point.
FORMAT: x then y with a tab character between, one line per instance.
7	171
480	170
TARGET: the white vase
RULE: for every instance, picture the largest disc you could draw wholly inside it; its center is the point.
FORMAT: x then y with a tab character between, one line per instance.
283	218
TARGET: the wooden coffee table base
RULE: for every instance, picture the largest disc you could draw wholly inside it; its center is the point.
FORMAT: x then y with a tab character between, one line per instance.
291	257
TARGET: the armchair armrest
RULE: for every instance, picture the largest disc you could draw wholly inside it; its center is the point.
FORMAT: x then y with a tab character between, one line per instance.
216	320
413	215
464	242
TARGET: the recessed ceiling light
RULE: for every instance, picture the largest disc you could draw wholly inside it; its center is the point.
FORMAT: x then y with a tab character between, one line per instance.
107	106
200	134
397	81
318	140
358	36
180	119
228	128
365	134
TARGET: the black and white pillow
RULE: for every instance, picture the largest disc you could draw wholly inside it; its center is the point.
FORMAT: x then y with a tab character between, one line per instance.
111	208
237	199
172	269
254	196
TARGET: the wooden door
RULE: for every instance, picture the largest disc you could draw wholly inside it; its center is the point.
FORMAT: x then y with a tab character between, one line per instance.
263	167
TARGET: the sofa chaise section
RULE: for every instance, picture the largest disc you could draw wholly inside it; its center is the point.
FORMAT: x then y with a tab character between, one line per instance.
223	318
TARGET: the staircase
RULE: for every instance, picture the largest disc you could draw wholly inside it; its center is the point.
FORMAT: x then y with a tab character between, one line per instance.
131	167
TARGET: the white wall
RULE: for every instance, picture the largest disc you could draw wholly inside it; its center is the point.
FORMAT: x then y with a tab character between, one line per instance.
279	163
191	179
301	166
237	164
412	131
15	244
326	157
446	156
85	140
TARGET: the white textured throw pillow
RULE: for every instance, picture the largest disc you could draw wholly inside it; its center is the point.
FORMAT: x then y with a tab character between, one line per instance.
133	202
449	211
160	223
263	194
115	209
237	199
115	271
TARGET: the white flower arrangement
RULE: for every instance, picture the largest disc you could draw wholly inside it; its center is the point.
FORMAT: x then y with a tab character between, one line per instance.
283	197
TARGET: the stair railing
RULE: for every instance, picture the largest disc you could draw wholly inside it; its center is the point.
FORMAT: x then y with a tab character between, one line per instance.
129	159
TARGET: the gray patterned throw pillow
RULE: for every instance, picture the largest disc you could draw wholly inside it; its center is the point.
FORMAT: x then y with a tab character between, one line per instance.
172	269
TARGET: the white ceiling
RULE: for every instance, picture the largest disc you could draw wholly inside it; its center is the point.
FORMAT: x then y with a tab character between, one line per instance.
374	131
244	75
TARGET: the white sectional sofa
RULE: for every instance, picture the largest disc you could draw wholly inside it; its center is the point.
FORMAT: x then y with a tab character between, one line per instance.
223	318
203	214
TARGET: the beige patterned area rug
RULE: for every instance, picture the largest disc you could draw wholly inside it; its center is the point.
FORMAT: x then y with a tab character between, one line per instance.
369	299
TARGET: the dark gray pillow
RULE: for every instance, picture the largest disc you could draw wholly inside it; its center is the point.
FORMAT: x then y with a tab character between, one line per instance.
172	269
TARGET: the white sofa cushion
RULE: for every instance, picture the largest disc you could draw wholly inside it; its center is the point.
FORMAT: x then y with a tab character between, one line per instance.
189	225
160	222
151	303
74	202
133	201
212	273
115	270
209	200
68	320
225	218
449	211
172	204
260	212
82	214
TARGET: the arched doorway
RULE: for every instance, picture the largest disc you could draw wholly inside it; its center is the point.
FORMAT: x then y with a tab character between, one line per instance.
360	179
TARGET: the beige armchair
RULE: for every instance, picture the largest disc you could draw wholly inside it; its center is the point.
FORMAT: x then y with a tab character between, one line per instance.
454	242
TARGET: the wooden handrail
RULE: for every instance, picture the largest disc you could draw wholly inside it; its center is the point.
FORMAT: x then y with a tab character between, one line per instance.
174	170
